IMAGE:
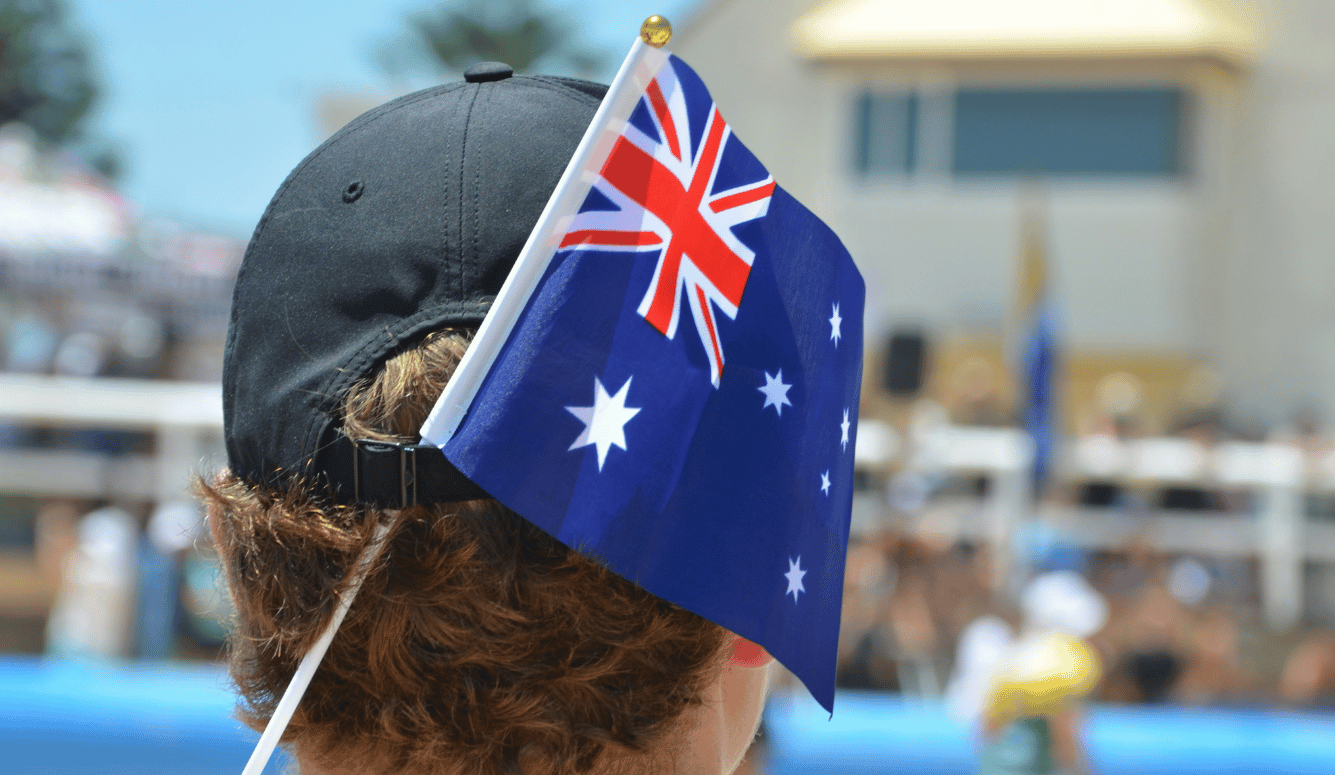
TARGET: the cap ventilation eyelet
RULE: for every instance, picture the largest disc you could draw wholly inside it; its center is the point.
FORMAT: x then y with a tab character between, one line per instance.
353	192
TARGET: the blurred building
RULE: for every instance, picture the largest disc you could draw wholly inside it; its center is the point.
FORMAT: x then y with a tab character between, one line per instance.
1183	148
88	288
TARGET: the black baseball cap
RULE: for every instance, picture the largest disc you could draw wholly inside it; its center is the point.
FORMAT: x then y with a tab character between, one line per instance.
405	222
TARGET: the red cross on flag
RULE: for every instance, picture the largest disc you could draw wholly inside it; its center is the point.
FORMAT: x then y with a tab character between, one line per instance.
662	178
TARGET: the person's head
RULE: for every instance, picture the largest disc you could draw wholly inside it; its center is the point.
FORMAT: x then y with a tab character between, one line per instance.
1062	601
478	643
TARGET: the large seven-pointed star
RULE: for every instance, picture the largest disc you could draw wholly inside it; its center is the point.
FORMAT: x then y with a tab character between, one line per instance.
605	421
794	576
776	392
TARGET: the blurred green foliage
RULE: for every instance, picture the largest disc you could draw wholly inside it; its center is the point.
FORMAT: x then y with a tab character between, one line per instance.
46	77
520	33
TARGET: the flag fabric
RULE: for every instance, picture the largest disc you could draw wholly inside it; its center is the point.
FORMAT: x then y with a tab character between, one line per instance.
1037	352
678	398
1040	367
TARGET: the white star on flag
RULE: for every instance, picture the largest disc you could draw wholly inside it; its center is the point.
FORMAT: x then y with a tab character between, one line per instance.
794	576
843	431
835	322
605	421
825	483
776	393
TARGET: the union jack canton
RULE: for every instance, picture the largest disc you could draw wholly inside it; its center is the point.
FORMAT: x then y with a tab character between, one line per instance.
706	457
663	179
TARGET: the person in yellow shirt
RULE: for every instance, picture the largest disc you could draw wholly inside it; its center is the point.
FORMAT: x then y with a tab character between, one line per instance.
1031	719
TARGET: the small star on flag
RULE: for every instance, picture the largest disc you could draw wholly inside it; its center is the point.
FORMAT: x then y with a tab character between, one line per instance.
776	393
794	576
605	421
835	323
825	483
843	432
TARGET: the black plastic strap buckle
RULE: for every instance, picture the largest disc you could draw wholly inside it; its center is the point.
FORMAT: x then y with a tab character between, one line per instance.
385	472
392	475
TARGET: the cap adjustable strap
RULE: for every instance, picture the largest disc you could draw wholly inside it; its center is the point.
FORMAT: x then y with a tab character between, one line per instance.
396	476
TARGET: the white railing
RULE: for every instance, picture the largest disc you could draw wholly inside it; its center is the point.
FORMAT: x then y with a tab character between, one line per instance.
1278	476
185	418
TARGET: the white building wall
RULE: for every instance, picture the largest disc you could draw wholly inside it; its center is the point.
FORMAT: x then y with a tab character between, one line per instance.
1235	263
777	104
946	258
1276	344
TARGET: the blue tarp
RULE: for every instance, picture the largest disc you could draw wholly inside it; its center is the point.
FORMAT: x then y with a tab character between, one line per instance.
877	733
61	717
71	718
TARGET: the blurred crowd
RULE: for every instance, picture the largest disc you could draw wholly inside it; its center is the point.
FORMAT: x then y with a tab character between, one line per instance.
1179	629
129	583
1141	440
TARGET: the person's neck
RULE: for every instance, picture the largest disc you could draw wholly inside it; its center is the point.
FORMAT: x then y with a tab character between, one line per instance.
698	750
703	744
712	737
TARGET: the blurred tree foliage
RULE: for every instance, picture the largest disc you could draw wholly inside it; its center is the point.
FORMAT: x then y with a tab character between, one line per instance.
520	33
46	78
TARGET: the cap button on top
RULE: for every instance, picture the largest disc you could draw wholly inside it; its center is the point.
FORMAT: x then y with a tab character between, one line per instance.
488	71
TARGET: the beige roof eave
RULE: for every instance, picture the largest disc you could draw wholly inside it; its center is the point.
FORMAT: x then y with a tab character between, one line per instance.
983	30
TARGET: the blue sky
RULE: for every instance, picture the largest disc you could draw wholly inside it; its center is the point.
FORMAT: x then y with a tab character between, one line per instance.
212	102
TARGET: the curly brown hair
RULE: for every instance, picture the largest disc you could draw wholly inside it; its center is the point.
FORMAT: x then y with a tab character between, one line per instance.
478	643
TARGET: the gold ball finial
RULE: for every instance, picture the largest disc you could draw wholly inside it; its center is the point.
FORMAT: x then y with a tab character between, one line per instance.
656	31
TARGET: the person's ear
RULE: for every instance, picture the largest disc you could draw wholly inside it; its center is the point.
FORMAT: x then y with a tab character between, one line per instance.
747	654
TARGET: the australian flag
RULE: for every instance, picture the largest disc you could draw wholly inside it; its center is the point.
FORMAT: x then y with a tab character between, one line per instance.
679	397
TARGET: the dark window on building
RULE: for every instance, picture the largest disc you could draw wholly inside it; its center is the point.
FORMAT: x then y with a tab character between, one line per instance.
884	128
1084	132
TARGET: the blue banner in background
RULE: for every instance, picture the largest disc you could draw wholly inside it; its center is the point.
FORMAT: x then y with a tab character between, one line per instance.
1040	369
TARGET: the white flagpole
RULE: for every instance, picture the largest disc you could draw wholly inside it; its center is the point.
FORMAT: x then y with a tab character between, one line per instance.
640	66
273	731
